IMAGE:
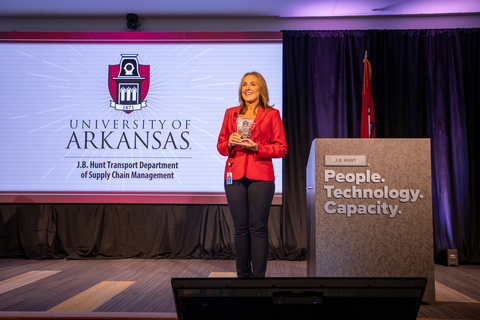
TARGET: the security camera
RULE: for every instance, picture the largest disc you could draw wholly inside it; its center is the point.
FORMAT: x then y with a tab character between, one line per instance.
132	21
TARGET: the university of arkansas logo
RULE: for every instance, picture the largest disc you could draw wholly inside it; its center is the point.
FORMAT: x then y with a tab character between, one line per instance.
128	83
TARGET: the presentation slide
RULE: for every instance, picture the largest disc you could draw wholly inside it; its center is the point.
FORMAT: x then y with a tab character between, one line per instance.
110	122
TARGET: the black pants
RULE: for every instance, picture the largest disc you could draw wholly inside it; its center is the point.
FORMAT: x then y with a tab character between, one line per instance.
249	202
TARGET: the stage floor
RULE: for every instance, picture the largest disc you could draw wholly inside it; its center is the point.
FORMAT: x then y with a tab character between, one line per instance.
140	288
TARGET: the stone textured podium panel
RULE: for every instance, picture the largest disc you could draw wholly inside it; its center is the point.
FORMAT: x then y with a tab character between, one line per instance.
369	209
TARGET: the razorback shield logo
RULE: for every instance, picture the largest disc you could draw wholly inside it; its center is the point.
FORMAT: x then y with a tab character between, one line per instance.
128	84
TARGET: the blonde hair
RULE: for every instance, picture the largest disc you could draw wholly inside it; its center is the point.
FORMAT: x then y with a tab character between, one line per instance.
263	92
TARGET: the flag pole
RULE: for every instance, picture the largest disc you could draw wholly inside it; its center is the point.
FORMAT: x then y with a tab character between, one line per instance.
368	111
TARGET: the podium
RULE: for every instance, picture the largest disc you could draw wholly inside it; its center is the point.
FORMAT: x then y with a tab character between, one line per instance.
369	209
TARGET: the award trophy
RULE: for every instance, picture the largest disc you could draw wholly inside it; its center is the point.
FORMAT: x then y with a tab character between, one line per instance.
245	131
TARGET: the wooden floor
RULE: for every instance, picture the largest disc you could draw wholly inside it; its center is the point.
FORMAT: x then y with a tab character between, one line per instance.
140	288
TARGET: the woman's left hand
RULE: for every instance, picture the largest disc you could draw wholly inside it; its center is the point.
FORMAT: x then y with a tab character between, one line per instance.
249	144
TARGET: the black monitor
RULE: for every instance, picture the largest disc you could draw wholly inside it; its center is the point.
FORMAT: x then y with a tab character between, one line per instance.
298	298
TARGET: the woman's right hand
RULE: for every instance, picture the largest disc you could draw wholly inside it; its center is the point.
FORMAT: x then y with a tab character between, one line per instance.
234	139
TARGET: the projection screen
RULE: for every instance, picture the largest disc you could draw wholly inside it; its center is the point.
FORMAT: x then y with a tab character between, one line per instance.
124	117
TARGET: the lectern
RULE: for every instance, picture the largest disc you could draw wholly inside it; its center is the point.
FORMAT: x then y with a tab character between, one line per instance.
369	209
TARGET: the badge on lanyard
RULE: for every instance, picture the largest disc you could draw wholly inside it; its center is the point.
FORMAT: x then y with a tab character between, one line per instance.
229	174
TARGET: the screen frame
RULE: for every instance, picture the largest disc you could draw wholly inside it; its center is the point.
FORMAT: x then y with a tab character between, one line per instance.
130	38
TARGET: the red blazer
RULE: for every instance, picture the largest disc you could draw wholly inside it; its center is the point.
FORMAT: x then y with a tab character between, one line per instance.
268	133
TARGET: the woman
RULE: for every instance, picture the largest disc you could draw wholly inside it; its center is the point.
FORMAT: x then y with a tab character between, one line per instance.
249	176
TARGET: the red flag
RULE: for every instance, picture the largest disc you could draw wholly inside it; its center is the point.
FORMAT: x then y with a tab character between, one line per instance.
367	128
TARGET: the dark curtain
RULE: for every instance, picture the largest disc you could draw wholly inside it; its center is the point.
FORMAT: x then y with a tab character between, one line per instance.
98	231
425	84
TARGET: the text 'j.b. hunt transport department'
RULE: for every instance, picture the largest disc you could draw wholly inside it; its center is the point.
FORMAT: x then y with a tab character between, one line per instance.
115	174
